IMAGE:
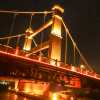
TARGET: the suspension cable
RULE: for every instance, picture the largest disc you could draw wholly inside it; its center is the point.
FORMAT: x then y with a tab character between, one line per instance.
81	55
17	12
19	35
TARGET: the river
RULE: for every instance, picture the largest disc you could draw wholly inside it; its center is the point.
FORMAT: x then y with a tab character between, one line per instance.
13	96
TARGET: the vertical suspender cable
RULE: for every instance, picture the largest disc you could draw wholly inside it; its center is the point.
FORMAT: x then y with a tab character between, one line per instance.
11	29
17	44
42	35
81	55
30	23
74	58
30	20
66	44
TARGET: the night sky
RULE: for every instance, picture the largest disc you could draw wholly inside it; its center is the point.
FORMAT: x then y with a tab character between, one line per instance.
82	18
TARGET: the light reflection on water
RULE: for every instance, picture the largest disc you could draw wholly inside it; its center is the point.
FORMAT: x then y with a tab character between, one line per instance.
9	96
12	96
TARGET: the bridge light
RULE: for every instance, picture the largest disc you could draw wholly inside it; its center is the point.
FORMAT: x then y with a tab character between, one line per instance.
73	68
16	89
53	62
82	66
56	29
54	96
9	88
71	98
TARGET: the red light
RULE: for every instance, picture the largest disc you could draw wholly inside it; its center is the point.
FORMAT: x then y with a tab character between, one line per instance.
95	76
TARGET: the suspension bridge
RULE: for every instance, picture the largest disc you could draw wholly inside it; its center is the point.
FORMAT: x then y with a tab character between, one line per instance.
55	57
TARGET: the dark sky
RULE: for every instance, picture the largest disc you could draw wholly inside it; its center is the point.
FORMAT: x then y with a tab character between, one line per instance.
81	16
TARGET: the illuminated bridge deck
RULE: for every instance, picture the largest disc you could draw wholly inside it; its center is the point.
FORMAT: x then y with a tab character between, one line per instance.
10	58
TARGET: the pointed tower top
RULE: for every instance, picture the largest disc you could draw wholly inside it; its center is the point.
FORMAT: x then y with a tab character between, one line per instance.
58	8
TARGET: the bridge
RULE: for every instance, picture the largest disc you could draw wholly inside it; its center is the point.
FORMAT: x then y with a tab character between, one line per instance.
55	58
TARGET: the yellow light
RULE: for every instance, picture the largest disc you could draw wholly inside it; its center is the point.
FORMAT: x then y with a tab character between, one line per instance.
37	92
16	89
15	97
27	87
82	66
56	29
52	62
58	8
28	39
9	88
29	30
27	44
73	68
39	88
54	97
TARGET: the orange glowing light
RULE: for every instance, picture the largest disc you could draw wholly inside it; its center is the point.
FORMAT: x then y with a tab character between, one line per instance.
27	87
17	50
56	29
27	44
16	89
39	88
28	39
54	96
57	7
15	97
73	68
29	30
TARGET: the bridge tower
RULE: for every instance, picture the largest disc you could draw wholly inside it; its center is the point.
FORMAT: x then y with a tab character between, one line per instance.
55	37
54	42
28	39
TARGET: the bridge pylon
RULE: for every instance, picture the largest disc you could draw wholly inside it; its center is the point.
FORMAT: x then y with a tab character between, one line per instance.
28	39
55	37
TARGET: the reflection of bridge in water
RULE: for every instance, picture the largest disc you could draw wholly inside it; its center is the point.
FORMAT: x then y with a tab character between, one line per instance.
51	61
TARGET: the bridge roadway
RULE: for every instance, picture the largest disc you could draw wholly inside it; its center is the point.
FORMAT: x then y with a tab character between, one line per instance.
19	65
